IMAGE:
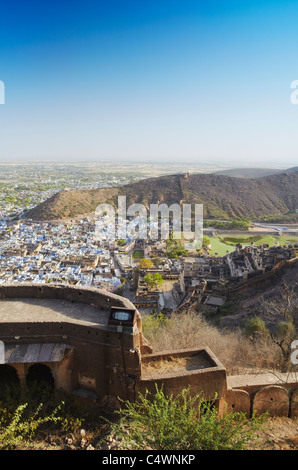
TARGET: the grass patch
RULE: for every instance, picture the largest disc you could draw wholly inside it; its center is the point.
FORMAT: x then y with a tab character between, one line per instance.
219	247
138	254
222	245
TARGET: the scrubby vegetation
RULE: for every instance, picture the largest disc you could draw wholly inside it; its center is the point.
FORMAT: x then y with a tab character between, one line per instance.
239	352
158	422
182	422
43	419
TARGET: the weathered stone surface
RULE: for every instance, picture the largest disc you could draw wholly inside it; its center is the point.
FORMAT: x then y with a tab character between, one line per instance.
237	400
272	399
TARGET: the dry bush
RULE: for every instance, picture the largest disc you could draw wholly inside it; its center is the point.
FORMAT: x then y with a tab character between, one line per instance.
236	352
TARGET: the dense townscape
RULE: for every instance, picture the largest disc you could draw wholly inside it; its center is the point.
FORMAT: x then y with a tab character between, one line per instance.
23	187
69	252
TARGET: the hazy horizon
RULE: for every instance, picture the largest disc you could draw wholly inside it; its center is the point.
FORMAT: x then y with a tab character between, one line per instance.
167	82
154	162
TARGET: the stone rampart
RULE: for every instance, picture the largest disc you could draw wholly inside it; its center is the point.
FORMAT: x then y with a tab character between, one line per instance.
101	360
257	282
104	362
88	295
273	393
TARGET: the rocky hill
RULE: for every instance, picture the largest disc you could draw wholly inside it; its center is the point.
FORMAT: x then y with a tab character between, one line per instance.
222	196
253	172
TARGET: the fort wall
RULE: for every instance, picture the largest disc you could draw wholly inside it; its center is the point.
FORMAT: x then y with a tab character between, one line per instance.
100	360
257	281
103	363
98	297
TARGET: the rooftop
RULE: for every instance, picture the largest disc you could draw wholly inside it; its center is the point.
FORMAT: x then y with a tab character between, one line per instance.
183	362
51	310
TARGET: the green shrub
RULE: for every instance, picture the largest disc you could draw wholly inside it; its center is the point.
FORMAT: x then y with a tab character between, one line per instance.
152	323
182	423
15	428
255	325
37	412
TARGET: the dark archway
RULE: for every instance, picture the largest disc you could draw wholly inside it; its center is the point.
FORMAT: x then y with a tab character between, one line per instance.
9	381
40	373
39	381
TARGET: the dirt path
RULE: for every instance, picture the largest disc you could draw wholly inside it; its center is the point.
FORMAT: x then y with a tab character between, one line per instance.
279	434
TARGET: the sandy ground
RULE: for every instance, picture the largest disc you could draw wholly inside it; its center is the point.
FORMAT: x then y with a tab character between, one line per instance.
261	229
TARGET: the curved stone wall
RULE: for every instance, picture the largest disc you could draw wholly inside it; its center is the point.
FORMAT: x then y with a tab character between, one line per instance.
97	358
89	295
276	399
92	296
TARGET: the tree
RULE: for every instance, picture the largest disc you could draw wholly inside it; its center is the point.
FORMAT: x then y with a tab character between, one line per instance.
146	263
278	322
119	290
153	280
175	249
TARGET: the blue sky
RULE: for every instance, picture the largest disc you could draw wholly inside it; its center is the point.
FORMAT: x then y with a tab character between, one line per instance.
202	81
